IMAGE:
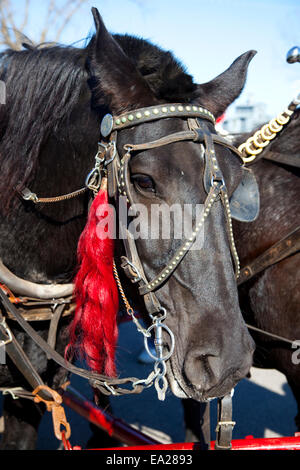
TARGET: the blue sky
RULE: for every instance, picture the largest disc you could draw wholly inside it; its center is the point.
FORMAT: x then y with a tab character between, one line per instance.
206	36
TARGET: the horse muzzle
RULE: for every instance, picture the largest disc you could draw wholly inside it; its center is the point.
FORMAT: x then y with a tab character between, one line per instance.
207	373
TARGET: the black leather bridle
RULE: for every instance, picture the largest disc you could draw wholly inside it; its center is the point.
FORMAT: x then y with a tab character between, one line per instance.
115	168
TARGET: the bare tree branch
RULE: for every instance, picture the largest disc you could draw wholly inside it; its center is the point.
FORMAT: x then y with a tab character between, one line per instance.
58	16
26	15
68	17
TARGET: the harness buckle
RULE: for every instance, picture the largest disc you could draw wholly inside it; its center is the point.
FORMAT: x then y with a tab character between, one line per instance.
27	195
225	424
218	180
94	178
9	339
131	270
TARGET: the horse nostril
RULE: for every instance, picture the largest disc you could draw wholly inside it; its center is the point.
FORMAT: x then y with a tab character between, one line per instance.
202	370
214	364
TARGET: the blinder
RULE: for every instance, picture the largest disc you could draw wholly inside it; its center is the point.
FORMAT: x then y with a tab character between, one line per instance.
245	200
244	203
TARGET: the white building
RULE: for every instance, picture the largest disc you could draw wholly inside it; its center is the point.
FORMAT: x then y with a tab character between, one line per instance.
245	117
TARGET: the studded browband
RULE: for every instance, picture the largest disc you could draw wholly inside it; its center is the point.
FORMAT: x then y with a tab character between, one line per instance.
152	113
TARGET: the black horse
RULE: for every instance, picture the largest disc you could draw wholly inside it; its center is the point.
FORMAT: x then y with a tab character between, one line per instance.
271	299
56	99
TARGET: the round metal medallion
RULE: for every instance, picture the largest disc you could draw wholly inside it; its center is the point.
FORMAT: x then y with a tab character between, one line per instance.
107	125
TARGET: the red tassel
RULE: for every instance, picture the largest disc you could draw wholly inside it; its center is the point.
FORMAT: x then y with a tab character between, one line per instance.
93	331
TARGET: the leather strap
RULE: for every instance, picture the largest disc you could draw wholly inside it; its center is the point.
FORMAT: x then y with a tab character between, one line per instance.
157	112
54	325
225	424
18	356
195	135
106	385
287	246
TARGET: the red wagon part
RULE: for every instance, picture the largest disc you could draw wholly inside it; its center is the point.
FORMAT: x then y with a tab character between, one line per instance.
249	443
115	427
136	440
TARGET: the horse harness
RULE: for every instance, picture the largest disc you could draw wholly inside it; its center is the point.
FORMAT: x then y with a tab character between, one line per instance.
112	169
109	164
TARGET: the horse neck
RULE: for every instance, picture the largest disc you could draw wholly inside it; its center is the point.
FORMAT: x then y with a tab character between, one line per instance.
279	210
38	242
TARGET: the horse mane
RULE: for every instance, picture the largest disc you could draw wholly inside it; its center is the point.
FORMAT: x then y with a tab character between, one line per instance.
43	85
42	88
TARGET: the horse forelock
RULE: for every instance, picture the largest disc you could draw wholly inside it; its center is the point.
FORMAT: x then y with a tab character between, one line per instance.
166	75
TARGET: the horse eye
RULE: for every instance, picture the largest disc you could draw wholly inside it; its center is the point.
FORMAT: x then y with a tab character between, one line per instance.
144	182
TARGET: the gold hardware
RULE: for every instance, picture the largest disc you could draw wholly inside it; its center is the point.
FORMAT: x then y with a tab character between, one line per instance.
256	143
58	412
128	307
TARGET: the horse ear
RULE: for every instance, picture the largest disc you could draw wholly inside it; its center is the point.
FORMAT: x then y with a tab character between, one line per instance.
117	81
220	92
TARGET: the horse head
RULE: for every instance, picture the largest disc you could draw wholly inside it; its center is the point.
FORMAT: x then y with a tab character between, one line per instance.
168	154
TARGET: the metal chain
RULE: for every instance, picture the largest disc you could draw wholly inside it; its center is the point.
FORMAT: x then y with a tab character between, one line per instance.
256	143
93	180
128	307
27	195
